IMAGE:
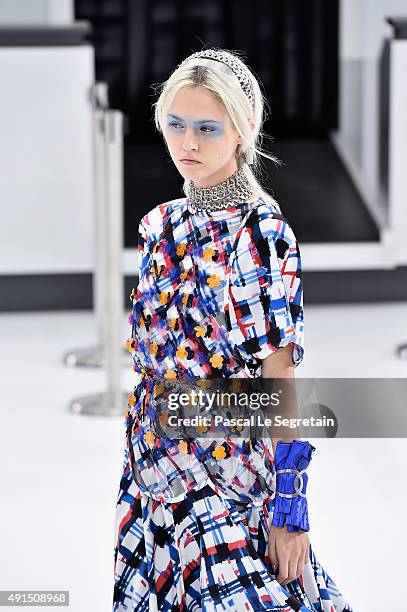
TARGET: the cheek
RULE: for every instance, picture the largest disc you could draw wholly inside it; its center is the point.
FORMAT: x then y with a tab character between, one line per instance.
170	140
223	147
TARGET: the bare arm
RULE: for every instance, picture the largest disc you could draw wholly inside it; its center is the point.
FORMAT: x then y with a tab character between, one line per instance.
288	551
280	365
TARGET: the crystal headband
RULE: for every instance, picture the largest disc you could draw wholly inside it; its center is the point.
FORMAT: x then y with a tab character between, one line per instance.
225	58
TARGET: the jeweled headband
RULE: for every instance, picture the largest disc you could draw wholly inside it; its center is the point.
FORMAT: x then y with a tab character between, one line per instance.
225	58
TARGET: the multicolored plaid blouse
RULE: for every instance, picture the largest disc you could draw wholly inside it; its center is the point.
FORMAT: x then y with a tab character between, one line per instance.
218	292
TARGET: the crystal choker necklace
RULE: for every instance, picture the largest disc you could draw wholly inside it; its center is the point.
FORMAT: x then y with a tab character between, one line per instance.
236	188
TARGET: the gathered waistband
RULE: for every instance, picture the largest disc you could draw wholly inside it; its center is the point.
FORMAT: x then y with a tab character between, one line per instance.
170	382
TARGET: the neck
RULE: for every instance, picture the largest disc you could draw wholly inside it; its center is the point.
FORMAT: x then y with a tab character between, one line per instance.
235	188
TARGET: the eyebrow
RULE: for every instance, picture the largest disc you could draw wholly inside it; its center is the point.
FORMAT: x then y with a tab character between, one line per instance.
198	121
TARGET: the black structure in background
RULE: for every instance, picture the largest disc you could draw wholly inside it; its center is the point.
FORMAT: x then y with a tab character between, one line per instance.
291	45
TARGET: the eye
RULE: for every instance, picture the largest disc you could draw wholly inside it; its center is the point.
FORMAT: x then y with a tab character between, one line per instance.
175	124
205	127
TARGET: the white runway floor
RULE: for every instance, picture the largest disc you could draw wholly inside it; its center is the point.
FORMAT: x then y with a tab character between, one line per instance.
60	472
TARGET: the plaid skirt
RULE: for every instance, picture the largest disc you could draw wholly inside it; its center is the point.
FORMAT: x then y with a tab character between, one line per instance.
207	553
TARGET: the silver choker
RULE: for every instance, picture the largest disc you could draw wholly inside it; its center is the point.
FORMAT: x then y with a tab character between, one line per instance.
235	189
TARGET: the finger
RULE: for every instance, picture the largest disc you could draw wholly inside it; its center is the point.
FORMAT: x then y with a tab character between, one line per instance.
272	553
282	568
306	555
292	568
300	566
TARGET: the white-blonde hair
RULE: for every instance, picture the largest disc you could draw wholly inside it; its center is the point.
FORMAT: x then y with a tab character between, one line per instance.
221	81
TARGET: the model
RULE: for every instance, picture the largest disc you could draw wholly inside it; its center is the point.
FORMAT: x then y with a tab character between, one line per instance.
214	523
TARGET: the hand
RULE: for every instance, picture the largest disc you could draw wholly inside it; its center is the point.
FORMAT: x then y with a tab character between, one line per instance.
289	550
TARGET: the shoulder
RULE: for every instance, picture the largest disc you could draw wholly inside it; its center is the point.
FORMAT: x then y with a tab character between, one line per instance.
152	223
269	223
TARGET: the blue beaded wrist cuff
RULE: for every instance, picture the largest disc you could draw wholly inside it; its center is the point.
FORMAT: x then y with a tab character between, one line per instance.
291	508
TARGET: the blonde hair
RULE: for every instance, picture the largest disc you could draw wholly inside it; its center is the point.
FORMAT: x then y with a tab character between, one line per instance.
220	80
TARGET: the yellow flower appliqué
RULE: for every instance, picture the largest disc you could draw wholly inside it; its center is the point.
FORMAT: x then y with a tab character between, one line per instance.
235	385
149	437
199	331
181	352
216	360
170	374
204	383
213	280
158	389
164	297
131	399
181	248
128	345
153	348
183	446
208	254
164	418
219	453
173	322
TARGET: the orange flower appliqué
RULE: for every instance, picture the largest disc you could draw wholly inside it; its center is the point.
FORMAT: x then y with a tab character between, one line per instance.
158	389
181	248
149	437
183	446
153	348
219	453
235	385
164	418
131	399
170	374
213	281
216	360
199	331
164	297
181	352
208	254
204	383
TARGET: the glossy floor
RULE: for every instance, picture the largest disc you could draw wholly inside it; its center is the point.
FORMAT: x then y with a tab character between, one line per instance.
60	472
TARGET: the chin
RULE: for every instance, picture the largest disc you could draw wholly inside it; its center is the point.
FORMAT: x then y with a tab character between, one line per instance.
191	173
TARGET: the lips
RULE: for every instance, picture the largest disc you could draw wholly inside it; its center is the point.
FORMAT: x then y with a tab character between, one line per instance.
191	159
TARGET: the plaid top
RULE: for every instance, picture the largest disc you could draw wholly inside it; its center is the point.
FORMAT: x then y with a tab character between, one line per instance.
218	292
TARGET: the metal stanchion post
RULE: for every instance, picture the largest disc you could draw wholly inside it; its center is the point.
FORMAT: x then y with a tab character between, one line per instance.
113	340
398	144
95	356
113	401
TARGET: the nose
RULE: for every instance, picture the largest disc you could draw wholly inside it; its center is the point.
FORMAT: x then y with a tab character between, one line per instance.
190	141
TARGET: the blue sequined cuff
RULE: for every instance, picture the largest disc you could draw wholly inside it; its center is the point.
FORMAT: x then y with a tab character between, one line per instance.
291	508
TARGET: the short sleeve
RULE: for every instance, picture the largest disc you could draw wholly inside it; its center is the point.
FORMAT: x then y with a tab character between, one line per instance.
142	248
264	289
